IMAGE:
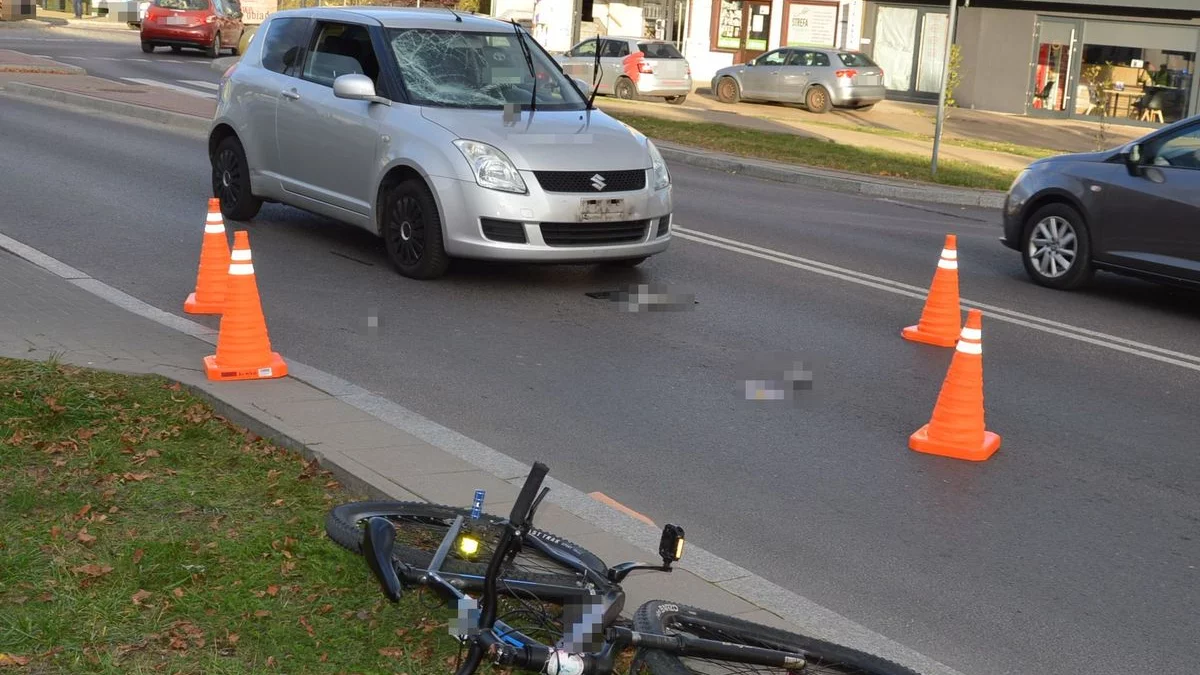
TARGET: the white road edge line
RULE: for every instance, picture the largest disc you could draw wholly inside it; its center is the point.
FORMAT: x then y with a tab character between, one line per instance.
805	615
1181	359
165	85
202	84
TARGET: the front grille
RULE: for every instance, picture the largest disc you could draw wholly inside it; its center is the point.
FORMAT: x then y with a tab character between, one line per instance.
586	181
591	234
503	230
664	226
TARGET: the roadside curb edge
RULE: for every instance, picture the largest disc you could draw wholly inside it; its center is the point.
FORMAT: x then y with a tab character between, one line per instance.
141	112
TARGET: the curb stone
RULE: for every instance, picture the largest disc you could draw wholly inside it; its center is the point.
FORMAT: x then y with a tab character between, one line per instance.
824	179
57	69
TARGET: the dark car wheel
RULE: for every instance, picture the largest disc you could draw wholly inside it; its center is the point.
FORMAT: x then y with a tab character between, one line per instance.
231	181
727	90
676	100
817	100
147	47
175	49
214	50
412	231
625	89
1056	249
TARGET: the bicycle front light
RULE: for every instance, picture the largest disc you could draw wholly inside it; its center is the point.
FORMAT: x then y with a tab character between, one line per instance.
670	547
468	546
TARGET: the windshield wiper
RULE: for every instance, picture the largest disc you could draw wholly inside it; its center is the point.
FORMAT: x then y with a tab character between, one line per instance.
528	62
596	78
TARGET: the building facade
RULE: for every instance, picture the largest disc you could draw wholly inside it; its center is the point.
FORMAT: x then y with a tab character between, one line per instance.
1133	60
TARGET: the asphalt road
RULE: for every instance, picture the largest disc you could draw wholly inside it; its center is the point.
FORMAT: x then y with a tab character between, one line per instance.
1074	550
117	55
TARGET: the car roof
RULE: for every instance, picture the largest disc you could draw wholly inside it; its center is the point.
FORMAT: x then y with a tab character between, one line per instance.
404	17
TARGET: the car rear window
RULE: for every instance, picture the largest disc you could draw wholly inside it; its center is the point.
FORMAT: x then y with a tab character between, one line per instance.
186	5
855	60
659	50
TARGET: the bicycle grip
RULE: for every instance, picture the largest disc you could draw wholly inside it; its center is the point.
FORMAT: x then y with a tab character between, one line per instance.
533	483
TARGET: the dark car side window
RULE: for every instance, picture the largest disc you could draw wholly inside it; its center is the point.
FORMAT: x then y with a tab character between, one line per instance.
586	49
283	48
1180	150
772	59
341	49
615	49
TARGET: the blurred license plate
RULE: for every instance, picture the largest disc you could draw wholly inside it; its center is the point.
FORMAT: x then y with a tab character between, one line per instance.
176	20
601	209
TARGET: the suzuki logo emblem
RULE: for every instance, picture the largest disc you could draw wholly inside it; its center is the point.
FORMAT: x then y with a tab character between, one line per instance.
598	182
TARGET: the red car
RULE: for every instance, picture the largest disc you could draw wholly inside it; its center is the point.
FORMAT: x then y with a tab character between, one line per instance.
211	25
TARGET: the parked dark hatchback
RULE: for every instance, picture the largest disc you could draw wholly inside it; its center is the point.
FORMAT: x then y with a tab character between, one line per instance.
1133	210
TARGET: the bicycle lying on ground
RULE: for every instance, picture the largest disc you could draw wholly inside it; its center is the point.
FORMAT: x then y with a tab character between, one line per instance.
494	556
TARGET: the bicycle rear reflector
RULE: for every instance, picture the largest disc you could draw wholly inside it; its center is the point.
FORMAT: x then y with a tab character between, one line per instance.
670	547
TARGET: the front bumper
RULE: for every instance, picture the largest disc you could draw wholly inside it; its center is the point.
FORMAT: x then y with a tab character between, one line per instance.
490	225
653	85
858	95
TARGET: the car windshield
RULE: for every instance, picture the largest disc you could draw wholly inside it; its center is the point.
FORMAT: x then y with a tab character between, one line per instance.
464	69
188	5
659	50
855	60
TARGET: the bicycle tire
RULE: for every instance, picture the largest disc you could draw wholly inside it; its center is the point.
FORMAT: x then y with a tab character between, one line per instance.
341	525
824	657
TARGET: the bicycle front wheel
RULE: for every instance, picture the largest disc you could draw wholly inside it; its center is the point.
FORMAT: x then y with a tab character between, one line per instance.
420	528
823	658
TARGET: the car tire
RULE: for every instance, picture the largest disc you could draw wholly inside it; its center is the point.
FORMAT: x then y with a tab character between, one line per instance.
728	90
676	100
236	49
412	231
817	100
866	108
214	50
625	89
1058	228
147	47
231	181
175	49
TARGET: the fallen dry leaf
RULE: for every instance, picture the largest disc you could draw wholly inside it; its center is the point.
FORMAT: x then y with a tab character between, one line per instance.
233	638
55	531
261	613
308	627
137	477
272	590
137	556
93	570
324	657
392	652
114	509
52	403
140	597
85	434
178	592
13	660
84	537
46	597
271	661
325	609
84	511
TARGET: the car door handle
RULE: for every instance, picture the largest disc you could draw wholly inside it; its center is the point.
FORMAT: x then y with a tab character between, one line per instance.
292	94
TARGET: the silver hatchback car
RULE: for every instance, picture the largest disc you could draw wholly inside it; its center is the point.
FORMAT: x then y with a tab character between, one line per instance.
818	78
448	135
631	67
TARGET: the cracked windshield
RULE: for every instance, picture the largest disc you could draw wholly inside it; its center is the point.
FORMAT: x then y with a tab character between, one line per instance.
461	69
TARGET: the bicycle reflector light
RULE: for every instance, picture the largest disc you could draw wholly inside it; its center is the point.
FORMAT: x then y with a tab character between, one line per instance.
670	547
468	545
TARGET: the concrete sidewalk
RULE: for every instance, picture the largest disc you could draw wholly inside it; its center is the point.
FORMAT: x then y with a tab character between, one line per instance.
373	446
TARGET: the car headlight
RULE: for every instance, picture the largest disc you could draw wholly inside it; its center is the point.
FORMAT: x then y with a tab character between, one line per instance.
492	168
662	177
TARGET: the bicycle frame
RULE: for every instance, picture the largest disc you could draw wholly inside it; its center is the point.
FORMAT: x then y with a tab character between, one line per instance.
505	646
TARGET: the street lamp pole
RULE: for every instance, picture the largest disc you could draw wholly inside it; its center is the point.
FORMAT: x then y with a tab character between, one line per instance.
941	112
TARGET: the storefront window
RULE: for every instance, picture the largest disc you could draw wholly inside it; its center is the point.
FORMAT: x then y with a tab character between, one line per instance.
811	24
729	25
742	27
1146	76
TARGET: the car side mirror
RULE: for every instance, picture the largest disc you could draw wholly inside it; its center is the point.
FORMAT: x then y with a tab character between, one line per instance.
357	87
583	86
1134	159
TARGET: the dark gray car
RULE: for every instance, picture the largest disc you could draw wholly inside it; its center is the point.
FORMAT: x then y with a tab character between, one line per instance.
1134	210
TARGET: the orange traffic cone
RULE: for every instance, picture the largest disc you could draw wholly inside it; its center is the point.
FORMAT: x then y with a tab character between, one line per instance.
941	318
243	348
209	296
956	429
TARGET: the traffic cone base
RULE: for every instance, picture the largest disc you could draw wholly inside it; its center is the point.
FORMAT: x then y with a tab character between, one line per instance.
194	306
915	334
275	368
921	442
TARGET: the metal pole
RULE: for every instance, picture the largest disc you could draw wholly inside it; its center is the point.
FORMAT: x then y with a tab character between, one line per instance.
941	113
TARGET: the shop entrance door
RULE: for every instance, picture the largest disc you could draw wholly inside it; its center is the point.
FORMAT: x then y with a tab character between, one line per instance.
757	20
1052	82
910	46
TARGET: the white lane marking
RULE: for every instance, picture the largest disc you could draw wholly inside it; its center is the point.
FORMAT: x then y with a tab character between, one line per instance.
139	60
167	85
1155	353
202	84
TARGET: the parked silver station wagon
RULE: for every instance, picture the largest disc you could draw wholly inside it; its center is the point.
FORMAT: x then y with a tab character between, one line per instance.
448	135
819	78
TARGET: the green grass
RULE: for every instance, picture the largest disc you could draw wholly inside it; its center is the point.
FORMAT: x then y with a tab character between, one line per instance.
992	146
794	149
140	533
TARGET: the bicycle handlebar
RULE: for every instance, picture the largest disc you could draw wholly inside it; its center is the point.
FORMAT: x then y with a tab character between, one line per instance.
520	510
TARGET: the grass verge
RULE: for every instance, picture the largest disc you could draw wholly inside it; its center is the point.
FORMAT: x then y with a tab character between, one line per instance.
140	532
793	149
